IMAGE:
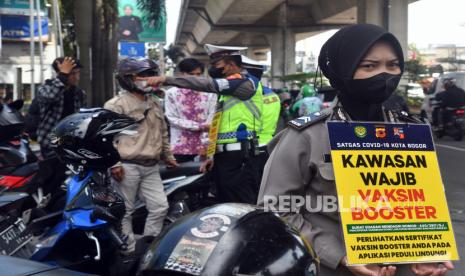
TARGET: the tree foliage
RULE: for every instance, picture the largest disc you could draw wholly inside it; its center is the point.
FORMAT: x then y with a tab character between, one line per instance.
301	78
415	69
175	53
155	11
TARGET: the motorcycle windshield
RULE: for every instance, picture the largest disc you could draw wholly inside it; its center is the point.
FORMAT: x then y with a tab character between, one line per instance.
79	192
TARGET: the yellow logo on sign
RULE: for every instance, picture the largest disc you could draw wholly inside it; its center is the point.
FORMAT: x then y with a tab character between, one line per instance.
360	131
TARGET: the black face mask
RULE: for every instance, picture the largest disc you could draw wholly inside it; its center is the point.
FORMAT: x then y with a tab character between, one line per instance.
374	90
216	73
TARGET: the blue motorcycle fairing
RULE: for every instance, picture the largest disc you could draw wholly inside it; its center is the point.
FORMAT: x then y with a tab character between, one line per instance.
80	219
75	186
48	243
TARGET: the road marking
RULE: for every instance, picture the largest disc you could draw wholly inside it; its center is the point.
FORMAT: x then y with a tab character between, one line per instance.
450	147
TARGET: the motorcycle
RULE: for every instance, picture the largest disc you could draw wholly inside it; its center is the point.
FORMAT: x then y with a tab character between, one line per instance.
20	267
455	125
20	169
93	212
12	227
187	190
89	225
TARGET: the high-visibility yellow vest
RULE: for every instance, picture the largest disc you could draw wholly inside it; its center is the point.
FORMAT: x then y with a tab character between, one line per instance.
271	111
241	119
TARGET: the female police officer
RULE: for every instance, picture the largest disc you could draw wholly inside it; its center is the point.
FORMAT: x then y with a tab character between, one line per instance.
365	63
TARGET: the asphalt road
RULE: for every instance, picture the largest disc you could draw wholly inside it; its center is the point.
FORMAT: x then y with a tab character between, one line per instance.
451	155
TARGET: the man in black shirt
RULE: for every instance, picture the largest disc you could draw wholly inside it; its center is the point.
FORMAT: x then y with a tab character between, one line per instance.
452	97
129	25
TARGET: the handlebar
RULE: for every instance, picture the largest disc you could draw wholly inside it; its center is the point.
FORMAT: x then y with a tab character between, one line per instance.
101	213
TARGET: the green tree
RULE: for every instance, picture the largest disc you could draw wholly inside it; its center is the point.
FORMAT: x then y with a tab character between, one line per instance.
95	24
155	11
414	69
299	78
175	53
95	27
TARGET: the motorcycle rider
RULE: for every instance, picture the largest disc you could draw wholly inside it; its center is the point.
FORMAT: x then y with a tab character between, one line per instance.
364	63
451	97
138	173
307	102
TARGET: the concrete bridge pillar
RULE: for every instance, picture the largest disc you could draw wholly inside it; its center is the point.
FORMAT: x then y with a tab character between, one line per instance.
389	14
282	43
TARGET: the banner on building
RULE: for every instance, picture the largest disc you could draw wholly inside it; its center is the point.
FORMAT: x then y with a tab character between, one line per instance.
391	197
17	28
20	7
134	27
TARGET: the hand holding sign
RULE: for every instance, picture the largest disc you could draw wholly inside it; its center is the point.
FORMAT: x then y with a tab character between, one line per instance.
370	270
432	268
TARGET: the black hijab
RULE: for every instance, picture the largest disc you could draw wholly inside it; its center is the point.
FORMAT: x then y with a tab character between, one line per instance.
340	57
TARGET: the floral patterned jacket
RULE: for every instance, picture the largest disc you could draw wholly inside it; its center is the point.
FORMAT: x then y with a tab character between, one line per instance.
189	113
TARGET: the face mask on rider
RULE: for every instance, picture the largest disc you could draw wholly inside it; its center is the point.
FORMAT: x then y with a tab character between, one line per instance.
373	90
142	86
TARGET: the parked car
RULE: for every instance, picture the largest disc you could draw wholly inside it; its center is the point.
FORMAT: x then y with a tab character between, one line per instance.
437	86
414	90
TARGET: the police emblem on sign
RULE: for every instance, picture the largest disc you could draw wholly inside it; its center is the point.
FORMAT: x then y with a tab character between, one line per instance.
380	132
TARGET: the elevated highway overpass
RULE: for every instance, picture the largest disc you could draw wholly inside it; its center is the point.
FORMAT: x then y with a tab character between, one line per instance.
276	25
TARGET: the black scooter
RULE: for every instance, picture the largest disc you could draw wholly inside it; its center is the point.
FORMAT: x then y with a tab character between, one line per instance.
187	190
20	169
455	125
12	226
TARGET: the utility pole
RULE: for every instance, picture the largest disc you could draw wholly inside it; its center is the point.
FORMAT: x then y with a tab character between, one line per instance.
41	45
32	45
18	85
59	34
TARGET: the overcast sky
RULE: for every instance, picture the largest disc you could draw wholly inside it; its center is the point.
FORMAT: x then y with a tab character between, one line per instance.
430	22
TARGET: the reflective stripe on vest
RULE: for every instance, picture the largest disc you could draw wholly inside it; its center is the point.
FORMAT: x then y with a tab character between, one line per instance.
271	112
233	135
236	113
251	106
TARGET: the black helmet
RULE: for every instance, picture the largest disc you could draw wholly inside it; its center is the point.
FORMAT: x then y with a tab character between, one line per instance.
86	138
229	239
129	67
448	82
11	120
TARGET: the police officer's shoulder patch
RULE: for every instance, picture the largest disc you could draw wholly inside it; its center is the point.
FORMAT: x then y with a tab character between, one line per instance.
308	120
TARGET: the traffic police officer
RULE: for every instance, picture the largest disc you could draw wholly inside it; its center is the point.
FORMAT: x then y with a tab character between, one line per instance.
271	110
365	63
236	126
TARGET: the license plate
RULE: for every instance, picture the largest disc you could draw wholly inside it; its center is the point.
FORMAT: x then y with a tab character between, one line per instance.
12	238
